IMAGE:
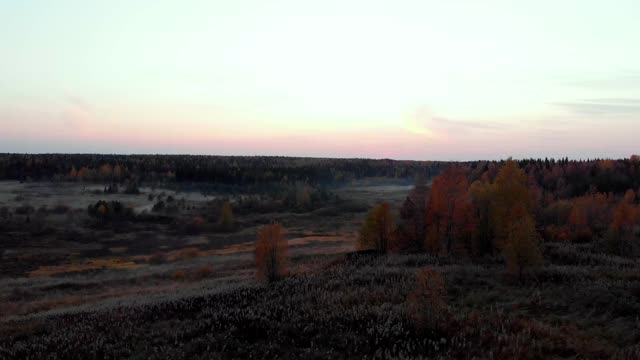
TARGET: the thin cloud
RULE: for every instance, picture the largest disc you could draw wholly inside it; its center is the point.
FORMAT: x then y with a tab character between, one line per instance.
425	122
621	80
605	106
77	113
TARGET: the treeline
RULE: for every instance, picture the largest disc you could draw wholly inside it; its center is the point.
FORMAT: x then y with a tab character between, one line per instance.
230	170
561	178
510	207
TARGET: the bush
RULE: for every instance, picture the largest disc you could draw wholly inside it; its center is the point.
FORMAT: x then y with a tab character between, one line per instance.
159	206
158	258
61	209
204	271
271	253
226	216
4	212
187	253
113	210
24	210
427	304
179	275
132	188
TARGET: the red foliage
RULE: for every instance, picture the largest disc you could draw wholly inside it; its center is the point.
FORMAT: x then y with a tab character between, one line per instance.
450	217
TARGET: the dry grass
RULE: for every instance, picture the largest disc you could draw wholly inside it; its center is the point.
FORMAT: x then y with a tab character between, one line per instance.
94	264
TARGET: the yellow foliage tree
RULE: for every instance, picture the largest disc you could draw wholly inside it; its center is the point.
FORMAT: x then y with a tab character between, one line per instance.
512	221
521	249
377	230
510	200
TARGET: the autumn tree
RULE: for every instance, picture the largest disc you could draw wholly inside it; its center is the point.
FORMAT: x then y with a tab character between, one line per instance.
481	195
626	217
303	196
510	200
413	215
578	224
271	253
450	218
226	216
105	171
514	226
117	172
377	230
73	174
521	249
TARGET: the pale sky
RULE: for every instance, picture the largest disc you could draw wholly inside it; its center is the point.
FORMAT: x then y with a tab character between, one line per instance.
441	80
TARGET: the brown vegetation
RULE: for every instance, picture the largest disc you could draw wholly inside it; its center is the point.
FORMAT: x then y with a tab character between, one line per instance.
271	253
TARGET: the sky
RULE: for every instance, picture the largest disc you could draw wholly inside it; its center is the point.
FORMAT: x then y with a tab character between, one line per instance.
424	80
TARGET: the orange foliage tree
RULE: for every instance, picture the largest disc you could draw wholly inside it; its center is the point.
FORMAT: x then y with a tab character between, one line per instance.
626	217
450	216
514	226
271	253
578	224
377	230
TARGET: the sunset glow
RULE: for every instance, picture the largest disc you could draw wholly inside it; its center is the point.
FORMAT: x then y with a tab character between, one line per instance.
337	79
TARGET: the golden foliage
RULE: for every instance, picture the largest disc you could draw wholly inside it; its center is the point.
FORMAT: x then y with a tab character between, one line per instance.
377	230
521	249
511	201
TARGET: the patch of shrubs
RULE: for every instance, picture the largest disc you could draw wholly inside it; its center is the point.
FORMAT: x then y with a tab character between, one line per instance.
24	210
110	210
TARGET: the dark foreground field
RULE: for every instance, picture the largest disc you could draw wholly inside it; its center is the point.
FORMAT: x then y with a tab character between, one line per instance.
581	304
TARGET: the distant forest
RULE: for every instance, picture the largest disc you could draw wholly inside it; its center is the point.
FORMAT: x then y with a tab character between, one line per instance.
559	178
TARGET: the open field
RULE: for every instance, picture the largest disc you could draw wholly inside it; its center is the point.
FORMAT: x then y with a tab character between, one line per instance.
72	261
358	309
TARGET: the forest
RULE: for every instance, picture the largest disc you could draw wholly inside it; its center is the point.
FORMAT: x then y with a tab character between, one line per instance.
172	256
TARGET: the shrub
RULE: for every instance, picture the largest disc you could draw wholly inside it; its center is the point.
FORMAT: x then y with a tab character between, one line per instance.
204	271
61	209
113	210
226	216
159	206
157	258
187	253
4	212
132	188
24	210
427	304
179	275
271	253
